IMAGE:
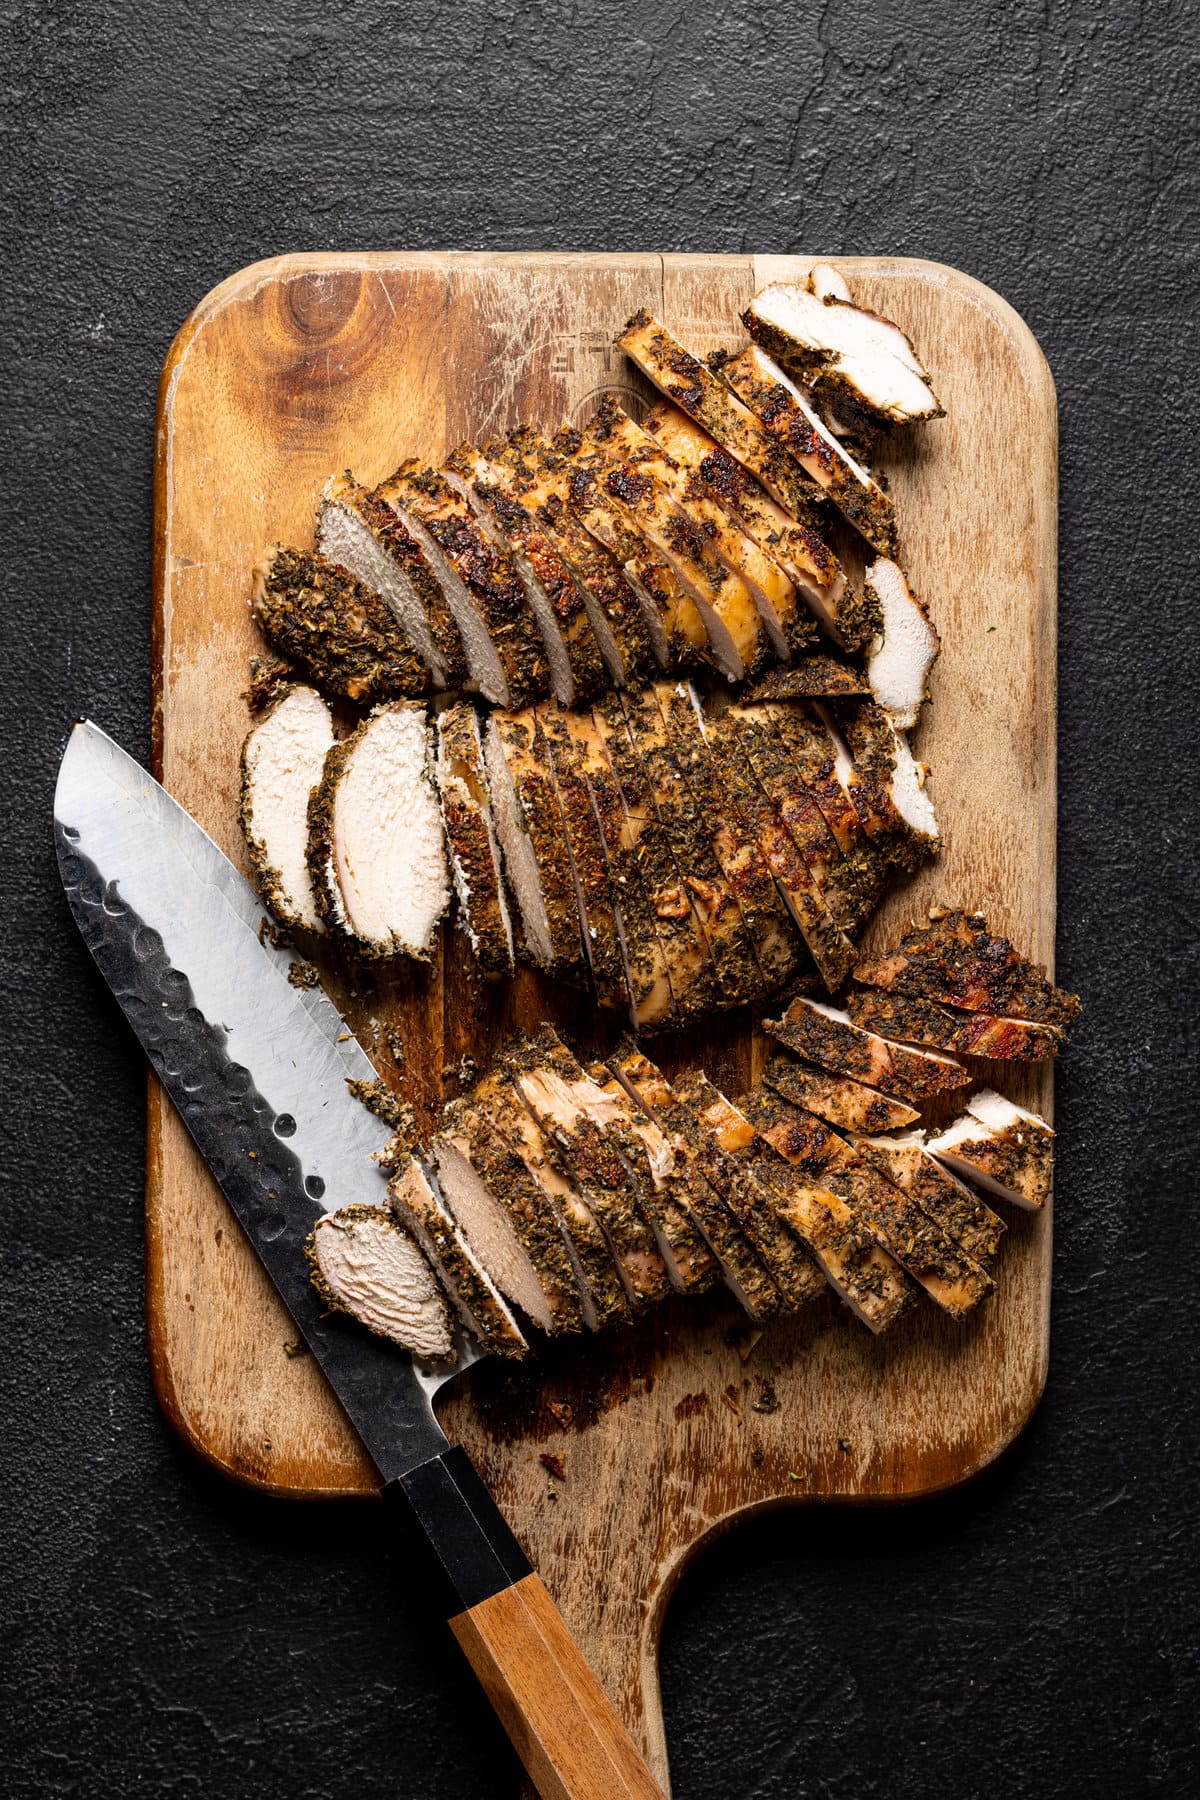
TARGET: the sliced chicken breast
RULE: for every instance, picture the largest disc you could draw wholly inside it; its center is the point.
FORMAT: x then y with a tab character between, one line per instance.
530	828
471	841
788	415
778	946
698	1153
503	1213
375	849
751	1201
816	574
283	759
905	1159
938	1265
361	1262
362	533
1002	1148
689	835
882	778
836	1098
813	676
500	635
823	1035
903	650
954	958
860	364
576	667
420	1209
344	638
600	917
915	1021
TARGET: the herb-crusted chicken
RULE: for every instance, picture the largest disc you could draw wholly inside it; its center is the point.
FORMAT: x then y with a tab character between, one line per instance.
781	407
836	1098
283	759
925	1022
905	1160
530	829
375	849
481	1306
956	960
471	839
345	638
361	1262
821	1034
1006	1150
859	365
366	536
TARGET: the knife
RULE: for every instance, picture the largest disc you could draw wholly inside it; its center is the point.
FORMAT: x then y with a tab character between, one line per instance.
258	1070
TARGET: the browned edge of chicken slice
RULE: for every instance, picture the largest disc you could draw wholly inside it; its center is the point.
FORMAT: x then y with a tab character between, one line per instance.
530	828
916	1021
600	918
960	1212
955	959
1003	1148
471	839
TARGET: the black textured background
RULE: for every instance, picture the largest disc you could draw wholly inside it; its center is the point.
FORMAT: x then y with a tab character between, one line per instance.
1034	1635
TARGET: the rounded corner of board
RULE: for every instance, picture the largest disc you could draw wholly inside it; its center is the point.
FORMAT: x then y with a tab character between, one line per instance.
987	300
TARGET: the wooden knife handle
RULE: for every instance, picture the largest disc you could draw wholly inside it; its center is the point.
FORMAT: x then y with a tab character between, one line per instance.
561	1722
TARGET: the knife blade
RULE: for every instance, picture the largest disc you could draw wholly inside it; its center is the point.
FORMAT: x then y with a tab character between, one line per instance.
258	1070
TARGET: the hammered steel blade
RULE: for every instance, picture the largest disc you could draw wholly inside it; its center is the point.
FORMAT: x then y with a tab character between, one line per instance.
256	1067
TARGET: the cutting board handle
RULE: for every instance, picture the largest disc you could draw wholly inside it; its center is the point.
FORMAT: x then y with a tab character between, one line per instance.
561	1722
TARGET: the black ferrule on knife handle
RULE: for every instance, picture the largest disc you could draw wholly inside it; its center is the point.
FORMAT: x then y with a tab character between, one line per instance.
474	1546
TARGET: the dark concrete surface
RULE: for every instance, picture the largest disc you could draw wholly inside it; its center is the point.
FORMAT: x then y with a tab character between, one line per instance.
1034	1635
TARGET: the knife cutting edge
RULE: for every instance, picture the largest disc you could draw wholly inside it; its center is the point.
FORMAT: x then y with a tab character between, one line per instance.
258	1070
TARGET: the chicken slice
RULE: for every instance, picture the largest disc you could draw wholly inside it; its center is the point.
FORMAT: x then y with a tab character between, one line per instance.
740	762
504	1215
576	666
483	1309
862	1274
863	872
664	1188
361	532
689	836
471	839
725	571
955	959
574	1117
529	826
836	1098
886	784
602	1293
698	1153
778	946
817	576
751	1201
861	365
342	636
375	850
823	1035
813	676
599	914
500	635
762	733
903	650
827	283
361	1262
645	939
648	616
681	932
283	759
1006	1150
959	1211
782	408
948	1275
915	1021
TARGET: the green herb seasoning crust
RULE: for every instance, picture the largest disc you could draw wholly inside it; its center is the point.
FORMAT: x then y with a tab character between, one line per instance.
955	959
479	1302
345	638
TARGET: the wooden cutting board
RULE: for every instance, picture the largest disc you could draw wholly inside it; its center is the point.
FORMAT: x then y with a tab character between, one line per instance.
307	364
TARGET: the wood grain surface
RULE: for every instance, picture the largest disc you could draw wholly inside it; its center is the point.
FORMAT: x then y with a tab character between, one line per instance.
307	364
